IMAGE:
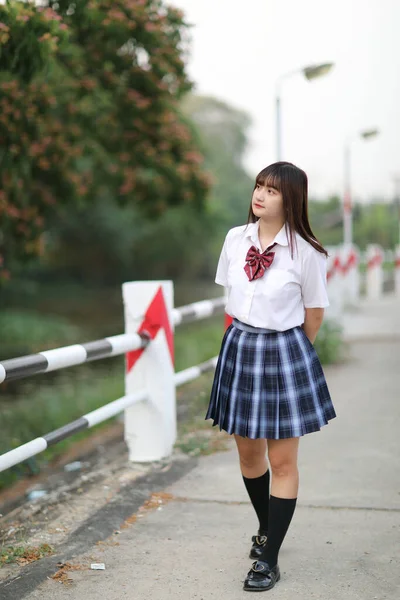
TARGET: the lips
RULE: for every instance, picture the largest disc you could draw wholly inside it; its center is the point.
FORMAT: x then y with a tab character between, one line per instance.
257	205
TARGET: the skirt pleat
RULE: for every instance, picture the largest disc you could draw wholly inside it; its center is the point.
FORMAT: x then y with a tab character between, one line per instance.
230	349
268	384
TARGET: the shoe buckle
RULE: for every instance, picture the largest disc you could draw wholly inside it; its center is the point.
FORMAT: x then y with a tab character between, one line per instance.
257	567
261	539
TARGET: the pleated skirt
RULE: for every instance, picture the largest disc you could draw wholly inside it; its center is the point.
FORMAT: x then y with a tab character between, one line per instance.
268	384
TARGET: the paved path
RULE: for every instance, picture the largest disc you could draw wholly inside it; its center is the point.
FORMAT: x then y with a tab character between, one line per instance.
374	319
344	542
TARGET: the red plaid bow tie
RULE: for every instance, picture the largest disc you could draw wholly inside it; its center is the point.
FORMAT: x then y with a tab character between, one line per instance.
256	263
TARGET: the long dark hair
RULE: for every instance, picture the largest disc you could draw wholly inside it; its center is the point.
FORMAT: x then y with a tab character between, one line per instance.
292	183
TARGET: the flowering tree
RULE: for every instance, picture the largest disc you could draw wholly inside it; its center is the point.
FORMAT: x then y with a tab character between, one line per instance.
88	107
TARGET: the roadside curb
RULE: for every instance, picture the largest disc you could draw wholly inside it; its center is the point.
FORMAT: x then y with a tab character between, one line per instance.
99	526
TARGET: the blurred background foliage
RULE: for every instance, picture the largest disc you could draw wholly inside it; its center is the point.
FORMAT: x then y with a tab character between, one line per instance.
110	168
89	98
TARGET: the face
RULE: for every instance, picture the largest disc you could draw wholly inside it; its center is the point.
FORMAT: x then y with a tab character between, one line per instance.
267	202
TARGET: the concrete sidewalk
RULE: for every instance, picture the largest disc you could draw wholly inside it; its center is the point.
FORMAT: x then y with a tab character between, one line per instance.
344	542
374	320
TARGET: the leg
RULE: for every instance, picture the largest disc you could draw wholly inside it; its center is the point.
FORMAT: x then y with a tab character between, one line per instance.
282	455
252	456
254	468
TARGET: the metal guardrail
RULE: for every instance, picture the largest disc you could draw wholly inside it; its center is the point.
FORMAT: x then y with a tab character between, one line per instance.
18	455
68	356
60	358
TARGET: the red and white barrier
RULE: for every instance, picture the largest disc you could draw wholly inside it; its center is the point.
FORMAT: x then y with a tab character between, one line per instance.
335	283
343	278
150	425
350	256
397	271
374	278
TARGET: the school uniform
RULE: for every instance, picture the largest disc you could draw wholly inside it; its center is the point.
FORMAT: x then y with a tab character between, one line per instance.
269	382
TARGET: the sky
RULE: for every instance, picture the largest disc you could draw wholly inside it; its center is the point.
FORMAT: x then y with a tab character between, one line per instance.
240	48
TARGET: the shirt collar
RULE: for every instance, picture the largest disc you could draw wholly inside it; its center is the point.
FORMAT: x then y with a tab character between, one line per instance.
252	232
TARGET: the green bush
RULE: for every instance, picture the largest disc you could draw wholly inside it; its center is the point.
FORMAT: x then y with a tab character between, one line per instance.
329	342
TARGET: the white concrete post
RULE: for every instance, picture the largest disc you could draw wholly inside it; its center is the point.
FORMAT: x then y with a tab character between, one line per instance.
363	271
374	256
335	284
388	274
150	426
397	271
350	258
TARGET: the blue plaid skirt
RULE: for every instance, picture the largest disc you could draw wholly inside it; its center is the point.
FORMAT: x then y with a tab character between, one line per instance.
268	384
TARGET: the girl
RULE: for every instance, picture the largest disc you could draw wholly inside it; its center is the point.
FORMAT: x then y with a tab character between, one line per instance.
269	388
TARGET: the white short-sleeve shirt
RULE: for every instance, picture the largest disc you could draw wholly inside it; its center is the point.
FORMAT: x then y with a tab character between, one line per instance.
277	299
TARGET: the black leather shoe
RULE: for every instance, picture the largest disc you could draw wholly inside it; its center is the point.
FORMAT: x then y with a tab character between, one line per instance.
259	542
261	577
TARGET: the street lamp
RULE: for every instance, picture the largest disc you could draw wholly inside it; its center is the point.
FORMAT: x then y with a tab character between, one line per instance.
310	72
347	201
396	180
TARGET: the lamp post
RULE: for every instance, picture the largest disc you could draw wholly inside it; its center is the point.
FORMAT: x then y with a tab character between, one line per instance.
347	200
396	201
310	72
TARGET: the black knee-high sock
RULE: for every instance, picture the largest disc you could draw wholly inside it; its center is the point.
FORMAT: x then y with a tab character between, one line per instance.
280	514
258	490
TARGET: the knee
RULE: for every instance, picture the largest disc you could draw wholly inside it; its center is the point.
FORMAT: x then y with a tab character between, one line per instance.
250	460
282	467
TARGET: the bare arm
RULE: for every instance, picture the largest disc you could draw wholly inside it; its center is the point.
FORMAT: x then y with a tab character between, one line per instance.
312	322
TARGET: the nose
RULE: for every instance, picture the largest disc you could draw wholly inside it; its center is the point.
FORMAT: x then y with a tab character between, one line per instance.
259	198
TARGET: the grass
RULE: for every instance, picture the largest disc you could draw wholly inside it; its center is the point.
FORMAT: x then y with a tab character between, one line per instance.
196	443
43	406
195	434
197	342
23	555
26	332
48	401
